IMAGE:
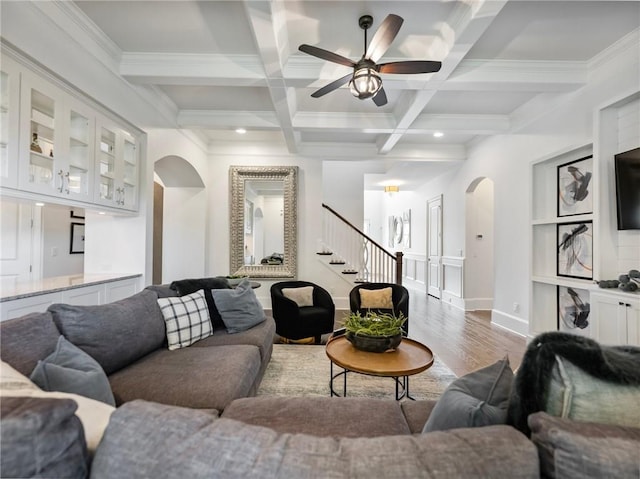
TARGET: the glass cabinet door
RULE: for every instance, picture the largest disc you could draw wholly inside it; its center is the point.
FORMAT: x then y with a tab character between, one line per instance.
107	166
130	178
9	126
80	153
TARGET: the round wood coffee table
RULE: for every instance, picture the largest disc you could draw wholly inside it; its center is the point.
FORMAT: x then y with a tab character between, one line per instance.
410	358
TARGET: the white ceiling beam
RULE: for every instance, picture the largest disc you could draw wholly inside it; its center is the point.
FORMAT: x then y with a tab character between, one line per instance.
471	124
265	120
466	25
359	151
365	122
268	24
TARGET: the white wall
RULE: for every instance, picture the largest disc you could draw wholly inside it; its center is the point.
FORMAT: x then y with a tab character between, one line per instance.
56	237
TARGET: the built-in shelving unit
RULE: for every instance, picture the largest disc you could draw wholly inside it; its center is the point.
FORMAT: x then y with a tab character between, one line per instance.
614	316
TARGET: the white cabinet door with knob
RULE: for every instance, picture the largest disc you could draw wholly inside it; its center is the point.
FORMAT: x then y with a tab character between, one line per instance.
616	316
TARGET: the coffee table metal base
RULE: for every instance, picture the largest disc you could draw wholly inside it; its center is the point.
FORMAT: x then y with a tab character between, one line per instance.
402	384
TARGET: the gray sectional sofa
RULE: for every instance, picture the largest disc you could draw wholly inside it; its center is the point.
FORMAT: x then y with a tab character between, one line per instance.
128	340
190	412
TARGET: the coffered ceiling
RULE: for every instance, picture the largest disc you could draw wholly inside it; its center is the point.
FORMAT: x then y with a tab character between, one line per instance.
229	64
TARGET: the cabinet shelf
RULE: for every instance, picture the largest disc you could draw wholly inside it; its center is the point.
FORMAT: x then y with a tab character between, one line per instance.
77	142
563	219
568	282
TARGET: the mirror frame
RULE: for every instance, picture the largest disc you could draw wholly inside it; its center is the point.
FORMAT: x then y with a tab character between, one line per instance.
237	177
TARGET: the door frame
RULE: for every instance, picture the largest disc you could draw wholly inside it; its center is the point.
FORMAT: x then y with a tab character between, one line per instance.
437	259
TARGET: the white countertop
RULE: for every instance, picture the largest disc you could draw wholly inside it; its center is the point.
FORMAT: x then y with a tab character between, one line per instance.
10	290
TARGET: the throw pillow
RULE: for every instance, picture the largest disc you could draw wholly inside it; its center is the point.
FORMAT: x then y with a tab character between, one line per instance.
114	334
69	369
188	286
479	398
575	394
93	414
187	319
376	298
41	438
532	386
573	449
301	296
239	307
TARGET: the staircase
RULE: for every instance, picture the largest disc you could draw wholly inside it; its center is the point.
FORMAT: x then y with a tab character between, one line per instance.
353	255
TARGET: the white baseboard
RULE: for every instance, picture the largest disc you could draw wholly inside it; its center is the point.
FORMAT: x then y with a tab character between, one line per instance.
453	299
474	304
509	322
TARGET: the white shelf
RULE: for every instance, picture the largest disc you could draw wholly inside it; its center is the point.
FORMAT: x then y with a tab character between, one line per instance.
567	282
563	219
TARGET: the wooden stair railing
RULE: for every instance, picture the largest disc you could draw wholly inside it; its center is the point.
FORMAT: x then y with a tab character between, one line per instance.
360	253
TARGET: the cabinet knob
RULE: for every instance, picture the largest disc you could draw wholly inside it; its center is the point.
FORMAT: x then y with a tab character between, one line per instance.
620	303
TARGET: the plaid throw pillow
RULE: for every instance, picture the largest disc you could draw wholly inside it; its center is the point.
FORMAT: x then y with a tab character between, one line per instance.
187	319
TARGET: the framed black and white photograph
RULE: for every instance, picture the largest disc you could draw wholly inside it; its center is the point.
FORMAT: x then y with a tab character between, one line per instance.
575	250
77	238
574	182
573	310
79	214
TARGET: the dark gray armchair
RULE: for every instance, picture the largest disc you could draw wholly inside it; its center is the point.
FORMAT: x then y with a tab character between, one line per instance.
399	297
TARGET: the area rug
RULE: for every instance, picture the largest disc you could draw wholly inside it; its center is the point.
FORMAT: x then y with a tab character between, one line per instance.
303	370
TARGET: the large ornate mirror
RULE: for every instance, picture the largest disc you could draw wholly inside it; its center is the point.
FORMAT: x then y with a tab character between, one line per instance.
263	221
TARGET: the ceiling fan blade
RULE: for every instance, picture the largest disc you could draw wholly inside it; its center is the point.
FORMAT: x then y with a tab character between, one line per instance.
381	98
383	37
332	86
326	55
412	66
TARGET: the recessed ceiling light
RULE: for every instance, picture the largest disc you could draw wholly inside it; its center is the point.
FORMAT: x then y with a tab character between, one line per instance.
101	213
438	134
39	204
241	131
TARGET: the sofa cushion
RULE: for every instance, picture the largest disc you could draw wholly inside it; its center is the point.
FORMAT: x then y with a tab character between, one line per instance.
187	319
26	340
169	442
69	369
575	394
571	449
94	415
321	416
261	335
202	378
479	398
417	412
162	290
376	298
41	438
114	334
302	296
188	286
239	307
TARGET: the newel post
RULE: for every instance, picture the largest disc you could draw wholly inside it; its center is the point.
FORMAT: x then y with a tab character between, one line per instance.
399	267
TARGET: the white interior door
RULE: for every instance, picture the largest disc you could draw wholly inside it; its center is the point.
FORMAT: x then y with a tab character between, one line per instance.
434	247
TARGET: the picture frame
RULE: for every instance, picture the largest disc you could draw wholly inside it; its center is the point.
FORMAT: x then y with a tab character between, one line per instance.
573	183
76	245
573	311
406	228
574	243
75	214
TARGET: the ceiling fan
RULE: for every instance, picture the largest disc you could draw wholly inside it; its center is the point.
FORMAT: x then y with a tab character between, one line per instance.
365	82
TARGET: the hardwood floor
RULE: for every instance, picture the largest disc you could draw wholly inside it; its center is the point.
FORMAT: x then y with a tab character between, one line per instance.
463	341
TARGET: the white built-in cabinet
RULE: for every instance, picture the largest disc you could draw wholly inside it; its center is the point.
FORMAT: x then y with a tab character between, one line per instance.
618	317
58	143
9	122
614	316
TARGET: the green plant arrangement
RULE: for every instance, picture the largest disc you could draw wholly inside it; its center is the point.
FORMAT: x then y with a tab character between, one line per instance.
374	332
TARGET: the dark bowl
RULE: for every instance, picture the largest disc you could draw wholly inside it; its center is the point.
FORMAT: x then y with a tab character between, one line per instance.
374	344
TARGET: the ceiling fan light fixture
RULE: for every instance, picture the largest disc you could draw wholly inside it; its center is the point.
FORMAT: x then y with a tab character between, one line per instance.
366	83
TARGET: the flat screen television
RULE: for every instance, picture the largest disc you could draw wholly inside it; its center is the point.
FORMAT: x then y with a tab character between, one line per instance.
627	166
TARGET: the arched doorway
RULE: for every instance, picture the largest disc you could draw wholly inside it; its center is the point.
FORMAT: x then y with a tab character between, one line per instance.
180	219
479	245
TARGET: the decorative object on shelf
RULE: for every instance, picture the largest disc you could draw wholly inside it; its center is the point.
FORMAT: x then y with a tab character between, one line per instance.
35	146
76	245
575	250
374	332
629	282
573	310
349	271
574	178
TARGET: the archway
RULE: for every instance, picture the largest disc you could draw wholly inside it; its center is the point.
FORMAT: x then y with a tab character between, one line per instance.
479	245
180	219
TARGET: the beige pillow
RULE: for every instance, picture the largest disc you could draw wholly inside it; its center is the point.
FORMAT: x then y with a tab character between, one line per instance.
93	414
302	296
376	298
